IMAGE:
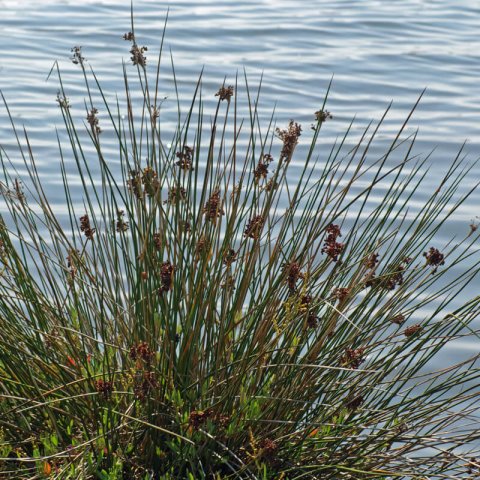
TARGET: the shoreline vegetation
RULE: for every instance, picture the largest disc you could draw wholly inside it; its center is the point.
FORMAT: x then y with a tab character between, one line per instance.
204	314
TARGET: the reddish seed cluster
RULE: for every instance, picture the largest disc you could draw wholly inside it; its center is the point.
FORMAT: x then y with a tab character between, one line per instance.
213	207
261	171
129	36
104	387
352	358
85	227
185	158
331	247
225	93
412	330
293	274
198	417
254	227
141	351
166	276
289	137
340	293
398	319
434	258
268	448
390	279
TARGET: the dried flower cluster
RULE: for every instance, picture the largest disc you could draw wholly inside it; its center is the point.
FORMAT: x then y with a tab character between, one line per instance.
434	258
138	57
77	57
398	319
320	117
143	183
261	171
293	274
340	293
213	207
166	276
199	417
268	448
254	227
390	279
150	181
225	93
63	101
352	358
129	36
331	247
141	351
412	330
185	157
85	227
104	387
92	119
289	137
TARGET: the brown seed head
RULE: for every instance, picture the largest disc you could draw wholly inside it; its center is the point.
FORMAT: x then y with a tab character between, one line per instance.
434	258
225	93
213	207
352	358
86	228
138	57
289	137
293	274
185	158
254	227
331	247
412	330
166	276
104	387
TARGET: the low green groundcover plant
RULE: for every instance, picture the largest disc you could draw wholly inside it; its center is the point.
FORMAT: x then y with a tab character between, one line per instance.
202	312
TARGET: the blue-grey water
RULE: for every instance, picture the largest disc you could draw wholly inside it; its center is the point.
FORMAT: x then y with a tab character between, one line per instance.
376	51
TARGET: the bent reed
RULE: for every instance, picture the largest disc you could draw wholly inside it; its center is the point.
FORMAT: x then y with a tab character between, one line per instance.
204	314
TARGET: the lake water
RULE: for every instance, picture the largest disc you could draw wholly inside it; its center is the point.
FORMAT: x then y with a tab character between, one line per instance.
377	51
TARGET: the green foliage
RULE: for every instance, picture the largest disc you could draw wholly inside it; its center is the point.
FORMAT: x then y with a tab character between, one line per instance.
205	313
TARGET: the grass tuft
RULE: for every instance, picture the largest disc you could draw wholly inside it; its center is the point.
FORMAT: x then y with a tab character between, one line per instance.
201	312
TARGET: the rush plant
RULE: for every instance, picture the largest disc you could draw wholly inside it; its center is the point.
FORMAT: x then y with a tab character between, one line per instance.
198	311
